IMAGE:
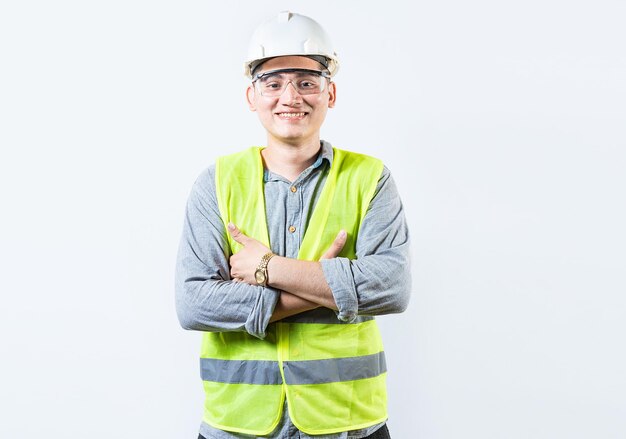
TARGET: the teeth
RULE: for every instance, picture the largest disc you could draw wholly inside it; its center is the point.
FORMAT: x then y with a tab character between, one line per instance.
292	114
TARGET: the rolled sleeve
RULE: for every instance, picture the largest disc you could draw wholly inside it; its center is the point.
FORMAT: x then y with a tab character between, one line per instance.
341	282
259	317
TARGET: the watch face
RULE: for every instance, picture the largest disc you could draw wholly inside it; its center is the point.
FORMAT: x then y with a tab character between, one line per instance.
259	275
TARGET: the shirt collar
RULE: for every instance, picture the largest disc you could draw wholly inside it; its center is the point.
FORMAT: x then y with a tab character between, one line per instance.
325	153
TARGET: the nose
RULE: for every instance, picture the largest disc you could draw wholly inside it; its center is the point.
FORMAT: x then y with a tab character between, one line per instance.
290	94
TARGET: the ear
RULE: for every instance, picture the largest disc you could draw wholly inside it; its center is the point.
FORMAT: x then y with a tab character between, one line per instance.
250	97
332	94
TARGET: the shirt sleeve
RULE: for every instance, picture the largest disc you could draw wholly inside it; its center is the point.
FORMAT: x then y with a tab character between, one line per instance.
378	281
206	297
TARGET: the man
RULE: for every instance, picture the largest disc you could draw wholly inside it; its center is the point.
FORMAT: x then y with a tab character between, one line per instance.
287	253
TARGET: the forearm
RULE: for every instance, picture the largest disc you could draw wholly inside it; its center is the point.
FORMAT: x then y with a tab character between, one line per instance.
289	304
304	279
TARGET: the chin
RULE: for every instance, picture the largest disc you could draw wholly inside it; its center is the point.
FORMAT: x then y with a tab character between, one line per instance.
290	135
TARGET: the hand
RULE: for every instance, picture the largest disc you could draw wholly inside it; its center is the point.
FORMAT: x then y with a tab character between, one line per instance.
244	263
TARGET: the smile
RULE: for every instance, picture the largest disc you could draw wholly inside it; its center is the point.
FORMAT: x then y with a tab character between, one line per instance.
291	115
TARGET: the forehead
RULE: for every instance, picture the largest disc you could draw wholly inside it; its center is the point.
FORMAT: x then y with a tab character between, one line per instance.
289	62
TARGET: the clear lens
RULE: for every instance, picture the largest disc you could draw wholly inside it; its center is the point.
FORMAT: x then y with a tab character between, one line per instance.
306	82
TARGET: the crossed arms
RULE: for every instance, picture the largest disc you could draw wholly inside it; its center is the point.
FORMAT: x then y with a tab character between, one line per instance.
218	293
302	283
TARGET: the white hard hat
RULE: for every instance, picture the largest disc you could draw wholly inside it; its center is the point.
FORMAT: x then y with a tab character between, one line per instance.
290	34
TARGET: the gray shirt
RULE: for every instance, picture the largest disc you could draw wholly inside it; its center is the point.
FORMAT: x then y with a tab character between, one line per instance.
377	282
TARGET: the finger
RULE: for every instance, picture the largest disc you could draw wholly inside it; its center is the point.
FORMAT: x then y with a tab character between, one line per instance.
336	247
236	234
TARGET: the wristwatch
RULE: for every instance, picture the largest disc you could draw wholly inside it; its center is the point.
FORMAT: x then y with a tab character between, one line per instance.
261	271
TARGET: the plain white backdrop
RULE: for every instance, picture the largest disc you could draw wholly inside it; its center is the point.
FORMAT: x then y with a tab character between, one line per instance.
503	124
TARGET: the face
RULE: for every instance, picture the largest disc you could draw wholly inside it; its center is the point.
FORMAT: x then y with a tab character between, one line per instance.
291	117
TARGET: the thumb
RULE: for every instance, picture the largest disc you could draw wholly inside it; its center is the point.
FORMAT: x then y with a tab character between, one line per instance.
237	234
337	245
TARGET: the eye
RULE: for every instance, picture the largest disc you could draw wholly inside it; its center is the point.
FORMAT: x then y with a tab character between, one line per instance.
271	82
307	84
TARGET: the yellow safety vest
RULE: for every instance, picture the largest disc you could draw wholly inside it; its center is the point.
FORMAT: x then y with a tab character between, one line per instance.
331	372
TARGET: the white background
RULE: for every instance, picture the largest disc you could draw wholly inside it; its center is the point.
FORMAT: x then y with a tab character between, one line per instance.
503	124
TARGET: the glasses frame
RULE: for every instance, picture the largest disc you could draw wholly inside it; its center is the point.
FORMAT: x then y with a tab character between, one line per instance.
322	73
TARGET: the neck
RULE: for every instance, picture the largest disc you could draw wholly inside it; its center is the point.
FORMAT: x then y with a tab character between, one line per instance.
289	160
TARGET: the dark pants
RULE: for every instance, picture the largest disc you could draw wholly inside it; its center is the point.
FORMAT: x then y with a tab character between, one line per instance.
381	433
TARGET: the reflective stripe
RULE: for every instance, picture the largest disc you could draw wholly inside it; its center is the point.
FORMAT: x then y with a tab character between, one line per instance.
335	369
296	372
324	316
240	371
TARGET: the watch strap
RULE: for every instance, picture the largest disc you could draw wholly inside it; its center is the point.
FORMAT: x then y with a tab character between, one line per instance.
265	259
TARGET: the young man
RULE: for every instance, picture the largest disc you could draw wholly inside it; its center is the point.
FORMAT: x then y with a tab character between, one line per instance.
287	253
